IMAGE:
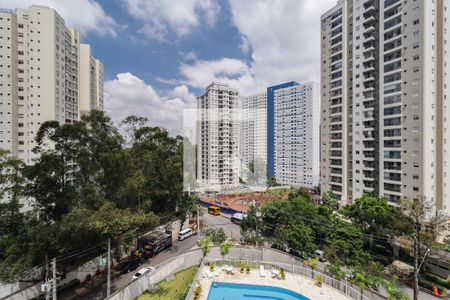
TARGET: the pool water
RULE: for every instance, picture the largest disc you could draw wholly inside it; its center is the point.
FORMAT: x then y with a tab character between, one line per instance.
233	291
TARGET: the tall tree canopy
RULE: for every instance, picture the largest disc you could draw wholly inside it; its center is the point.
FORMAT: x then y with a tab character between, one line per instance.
88	183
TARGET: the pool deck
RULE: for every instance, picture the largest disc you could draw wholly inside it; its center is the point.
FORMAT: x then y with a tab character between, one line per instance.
299	284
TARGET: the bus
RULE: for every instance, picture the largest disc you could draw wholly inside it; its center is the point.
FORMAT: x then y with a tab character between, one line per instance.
214	210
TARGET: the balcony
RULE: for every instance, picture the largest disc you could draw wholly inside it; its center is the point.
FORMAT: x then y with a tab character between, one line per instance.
392	155
392	176
392	166
369	164
392	187
388	3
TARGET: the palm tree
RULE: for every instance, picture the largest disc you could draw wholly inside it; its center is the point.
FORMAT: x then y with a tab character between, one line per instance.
360	280
365	280
312	263
205	245
338	274
225	248
393	289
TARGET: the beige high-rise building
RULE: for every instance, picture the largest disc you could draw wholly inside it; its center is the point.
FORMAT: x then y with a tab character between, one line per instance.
253	134
91	81
385	100
218	138
39	76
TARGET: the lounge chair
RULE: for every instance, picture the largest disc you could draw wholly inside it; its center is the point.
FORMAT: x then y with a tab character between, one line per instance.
262	272
217	273
209	274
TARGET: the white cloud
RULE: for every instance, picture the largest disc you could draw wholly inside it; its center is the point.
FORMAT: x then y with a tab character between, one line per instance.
284	36
161	17
129	95
84	15
245	45
237	73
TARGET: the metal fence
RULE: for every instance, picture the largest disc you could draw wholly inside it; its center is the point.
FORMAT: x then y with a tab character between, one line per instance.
162	271
271	258
342	287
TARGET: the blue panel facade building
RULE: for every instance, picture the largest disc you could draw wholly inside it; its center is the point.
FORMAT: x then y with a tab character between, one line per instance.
271	125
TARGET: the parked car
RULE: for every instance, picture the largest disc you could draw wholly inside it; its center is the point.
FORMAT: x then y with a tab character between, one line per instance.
238	217
128	266
184	234
142	271
320	255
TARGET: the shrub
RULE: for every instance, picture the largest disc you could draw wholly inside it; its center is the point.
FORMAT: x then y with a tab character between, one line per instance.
319	280
212	265
197	292
429	286
439	281
283	274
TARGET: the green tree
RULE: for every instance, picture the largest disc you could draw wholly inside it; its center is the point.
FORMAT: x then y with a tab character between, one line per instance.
366	276
336	271
372	214
393	289
330	199
205	245
11	186
300	238
272	181
225	248
218	235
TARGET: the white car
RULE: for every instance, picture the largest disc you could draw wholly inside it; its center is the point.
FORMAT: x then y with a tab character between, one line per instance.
142	271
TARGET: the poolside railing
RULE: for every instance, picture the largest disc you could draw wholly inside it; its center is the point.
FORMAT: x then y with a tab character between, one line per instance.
199	273
342	287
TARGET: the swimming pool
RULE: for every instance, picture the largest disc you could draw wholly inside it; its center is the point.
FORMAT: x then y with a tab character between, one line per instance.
225	291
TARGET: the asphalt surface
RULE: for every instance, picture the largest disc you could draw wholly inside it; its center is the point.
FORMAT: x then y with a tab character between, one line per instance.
178	247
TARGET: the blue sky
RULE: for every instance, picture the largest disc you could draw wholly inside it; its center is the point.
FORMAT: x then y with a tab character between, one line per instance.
159	54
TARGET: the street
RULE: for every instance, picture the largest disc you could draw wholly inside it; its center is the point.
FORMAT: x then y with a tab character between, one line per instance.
178	247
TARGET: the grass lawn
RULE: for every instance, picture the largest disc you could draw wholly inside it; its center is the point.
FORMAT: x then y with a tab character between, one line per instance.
176	289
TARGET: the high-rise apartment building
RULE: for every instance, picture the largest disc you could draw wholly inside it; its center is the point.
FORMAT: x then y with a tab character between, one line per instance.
91	81
218	138
296	135
39	76
271	125
385	129
253	136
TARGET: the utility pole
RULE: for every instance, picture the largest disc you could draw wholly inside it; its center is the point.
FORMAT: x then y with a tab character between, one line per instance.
108	283
46	283
416	269
198	220
54	278
417	266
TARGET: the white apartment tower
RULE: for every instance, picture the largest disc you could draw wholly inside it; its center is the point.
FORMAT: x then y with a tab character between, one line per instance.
385	129
39	75
253	145
297	126
217	138
91	81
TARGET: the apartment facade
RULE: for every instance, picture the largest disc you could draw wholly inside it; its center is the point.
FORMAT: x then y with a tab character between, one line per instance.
218	138
91	81
297	126
384	100
40	67
253	137
271	124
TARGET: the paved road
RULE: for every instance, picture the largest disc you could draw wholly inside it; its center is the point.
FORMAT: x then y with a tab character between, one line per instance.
209	221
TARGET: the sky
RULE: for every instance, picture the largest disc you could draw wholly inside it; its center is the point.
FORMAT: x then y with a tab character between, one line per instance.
158	55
